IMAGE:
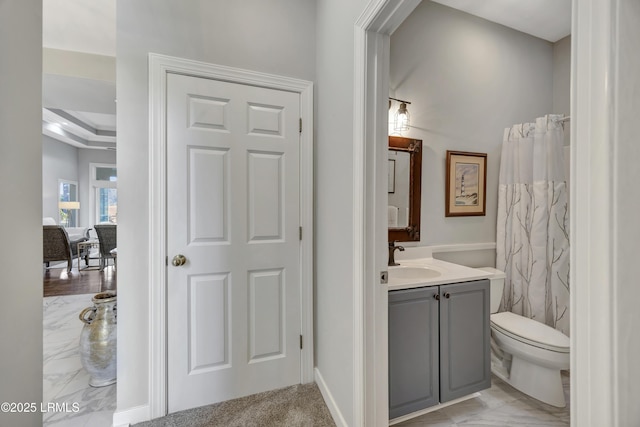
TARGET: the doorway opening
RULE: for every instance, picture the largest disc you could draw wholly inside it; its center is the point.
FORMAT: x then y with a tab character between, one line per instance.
375	26
78	139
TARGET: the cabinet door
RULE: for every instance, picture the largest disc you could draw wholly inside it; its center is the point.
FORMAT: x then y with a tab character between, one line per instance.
413	350
465	358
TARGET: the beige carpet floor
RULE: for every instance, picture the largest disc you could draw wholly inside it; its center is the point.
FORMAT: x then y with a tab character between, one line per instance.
299	405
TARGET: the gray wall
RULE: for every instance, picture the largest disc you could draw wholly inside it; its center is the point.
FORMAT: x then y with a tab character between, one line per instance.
20	219
562	76
562	82
275	37
59	161
334	200
467	80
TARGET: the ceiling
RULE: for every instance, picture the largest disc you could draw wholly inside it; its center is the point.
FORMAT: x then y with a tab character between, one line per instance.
81	112
80	25
546	19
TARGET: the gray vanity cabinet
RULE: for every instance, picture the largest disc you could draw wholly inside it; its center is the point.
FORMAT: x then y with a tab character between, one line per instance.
413	350
439	340
465	352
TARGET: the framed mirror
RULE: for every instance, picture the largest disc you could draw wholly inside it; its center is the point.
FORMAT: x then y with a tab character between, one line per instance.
404	188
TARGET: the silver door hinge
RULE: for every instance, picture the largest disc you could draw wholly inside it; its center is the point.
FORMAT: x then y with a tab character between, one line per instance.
300	342
300	233
300	124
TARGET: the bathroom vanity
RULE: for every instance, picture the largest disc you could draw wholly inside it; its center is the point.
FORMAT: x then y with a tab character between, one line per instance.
439	335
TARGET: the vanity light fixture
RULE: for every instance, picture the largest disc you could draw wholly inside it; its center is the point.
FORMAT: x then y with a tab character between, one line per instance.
401	119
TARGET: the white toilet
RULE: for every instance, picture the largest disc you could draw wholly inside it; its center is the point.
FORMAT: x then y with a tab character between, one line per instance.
525	353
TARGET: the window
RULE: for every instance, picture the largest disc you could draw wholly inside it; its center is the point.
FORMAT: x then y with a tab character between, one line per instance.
106	173
107	204
68	204
104	180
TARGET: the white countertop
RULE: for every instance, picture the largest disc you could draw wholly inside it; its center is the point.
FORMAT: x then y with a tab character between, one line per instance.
448	272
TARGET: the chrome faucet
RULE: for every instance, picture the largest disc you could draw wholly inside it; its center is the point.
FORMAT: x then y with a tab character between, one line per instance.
392	250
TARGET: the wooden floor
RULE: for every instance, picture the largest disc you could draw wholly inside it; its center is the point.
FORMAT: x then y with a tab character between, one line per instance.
57	282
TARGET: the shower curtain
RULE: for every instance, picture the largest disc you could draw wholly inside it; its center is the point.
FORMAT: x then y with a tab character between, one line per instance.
533	223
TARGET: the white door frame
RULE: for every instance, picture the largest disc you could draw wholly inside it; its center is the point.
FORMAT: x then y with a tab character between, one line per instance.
371	86
159	67
595	50
593	118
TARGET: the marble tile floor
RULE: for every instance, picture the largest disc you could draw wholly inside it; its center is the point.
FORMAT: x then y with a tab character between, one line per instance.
65	382
501	405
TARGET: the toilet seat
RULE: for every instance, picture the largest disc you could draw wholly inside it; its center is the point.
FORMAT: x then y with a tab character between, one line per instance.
530	332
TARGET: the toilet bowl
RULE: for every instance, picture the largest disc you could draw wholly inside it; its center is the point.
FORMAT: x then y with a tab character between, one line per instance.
526	354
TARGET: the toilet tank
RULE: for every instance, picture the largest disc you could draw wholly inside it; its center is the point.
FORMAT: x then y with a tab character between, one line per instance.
496	285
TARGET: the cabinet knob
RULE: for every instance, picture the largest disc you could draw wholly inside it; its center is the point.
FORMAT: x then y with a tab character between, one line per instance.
436	297
447	294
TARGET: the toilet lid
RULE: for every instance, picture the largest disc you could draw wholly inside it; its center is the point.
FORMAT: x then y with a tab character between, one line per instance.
530	331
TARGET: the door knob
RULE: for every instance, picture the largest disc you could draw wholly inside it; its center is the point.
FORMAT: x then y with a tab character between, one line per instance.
178	260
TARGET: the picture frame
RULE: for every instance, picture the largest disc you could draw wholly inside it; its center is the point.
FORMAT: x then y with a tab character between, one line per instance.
466	184
391	182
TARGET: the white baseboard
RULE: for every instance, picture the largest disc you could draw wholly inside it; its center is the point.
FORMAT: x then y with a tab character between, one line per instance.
134	415
329	400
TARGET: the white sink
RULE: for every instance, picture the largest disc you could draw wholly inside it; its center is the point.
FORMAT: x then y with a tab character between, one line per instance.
418	268
411	274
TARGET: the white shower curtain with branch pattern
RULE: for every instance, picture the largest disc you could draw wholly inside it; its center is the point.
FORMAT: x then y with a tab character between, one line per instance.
533	223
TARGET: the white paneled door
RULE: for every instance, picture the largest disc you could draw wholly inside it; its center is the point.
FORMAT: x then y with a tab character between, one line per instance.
233	214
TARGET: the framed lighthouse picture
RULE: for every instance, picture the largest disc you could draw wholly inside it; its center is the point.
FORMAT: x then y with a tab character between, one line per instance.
466	184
